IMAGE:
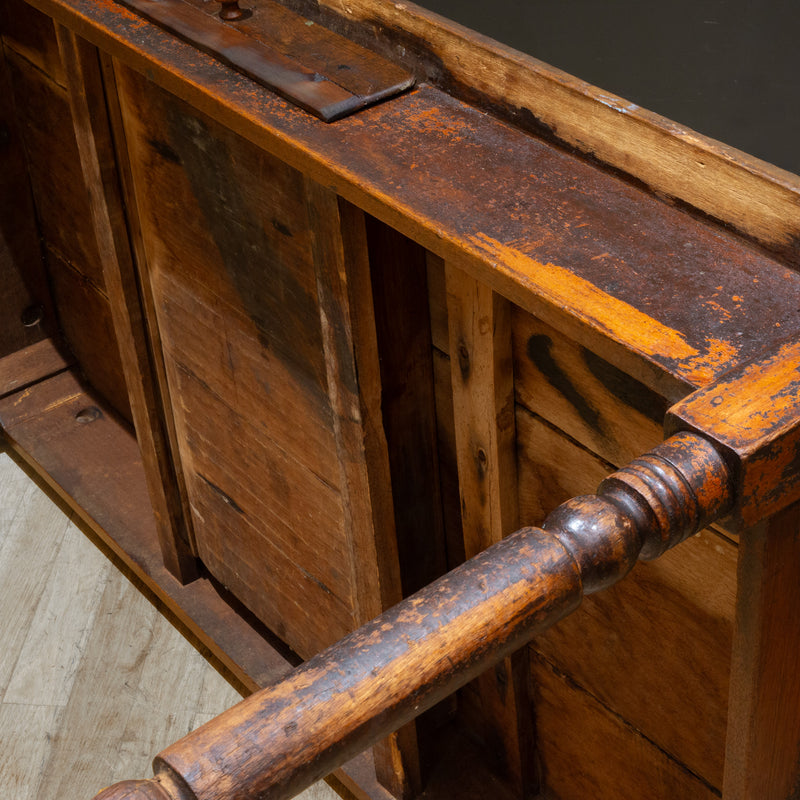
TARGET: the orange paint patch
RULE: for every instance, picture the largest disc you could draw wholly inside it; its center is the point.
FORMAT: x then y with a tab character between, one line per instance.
704	368
582	298
622	321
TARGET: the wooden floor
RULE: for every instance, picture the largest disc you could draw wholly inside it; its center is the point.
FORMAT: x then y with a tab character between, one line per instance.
93	680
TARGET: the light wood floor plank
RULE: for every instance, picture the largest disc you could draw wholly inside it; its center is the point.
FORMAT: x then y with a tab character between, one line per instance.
57	635
27	558
25	735
74	630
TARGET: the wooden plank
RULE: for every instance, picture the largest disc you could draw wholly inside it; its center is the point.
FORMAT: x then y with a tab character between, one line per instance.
595	753
483	404
48	661
145	290
485	437
95	467
756	198
448	462
518	244
27	309
603	408
62	204
96	149
32	34
687	595
252	382
229	263
437	303
375	519
84	315
551	467
763	744
32	364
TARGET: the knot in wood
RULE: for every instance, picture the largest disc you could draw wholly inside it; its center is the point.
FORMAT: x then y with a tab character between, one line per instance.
671	492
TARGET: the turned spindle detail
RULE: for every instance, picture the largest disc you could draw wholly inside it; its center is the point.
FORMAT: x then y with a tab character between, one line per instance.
283	738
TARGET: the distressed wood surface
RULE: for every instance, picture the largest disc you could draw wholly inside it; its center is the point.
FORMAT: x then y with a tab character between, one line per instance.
750	195
96	149
603	408
482	382
230	264
373	513
752	412
31	364
763	740
375	679
530	244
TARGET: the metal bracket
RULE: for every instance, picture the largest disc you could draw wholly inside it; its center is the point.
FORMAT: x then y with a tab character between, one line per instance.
321	72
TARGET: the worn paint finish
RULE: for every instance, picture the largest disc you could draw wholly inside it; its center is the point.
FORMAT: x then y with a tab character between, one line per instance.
753	413
395	160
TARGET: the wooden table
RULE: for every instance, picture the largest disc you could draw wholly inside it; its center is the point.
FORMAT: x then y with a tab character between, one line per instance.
291	371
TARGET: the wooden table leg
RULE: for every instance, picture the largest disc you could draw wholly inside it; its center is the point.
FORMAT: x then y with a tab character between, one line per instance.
763	748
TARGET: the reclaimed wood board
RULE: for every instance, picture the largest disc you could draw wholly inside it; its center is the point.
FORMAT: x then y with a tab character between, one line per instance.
27	315
655	649
586	251
603	756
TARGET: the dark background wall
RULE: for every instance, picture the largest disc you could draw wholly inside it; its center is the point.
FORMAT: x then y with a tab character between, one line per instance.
727	68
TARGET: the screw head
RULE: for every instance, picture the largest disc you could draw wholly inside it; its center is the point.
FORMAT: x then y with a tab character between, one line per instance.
88	414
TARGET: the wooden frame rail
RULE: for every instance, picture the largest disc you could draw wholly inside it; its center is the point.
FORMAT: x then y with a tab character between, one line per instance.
283	738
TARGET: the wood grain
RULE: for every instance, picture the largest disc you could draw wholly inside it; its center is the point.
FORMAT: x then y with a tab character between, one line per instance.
602	756
603	408
375	521
764	724
230	265
756	198
97	155
485	436
597	299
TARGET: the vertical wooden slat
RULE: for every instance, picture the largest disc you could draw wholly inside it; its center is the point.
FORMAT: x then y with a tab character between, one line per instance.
354	387
23	284
92	131
479	323
763	743
148	304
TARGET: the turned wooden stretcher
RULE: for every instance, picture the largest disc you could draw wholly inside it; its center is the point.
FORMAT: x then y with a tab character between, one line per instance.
368	343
